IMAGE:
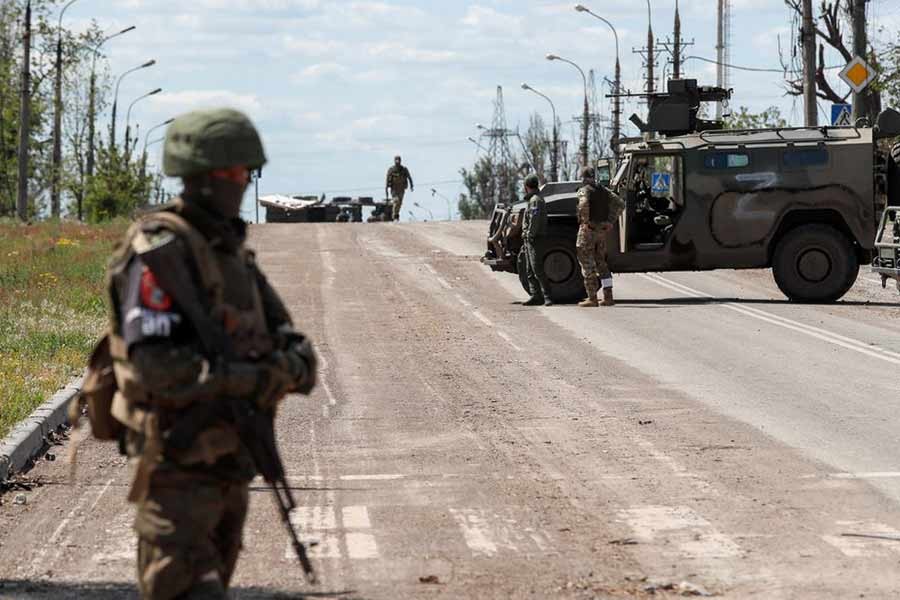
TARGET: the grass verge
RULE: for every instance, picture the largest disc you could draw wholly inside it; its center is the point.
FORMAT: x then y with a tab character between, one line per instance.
52	308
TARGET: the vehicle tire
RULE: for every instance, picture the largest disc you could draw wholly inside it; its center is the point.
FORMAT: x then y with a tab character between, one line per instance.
815	263
561	267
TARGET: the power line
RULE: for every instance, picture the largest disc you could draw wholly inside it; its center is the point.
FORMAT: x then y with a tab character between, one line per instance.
753	69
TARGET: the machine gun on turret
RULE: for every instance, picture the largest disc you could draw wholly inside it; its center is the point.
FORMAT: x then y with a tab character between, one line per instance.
676	112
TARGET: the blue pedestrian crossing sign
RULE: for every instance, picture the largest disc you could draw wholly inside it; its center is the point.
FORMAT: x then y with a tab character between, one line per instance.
661	183
841	115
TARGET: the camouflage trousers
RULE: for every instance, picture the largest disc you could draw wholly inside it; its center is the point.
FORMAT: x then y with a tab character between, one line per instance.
591	249
397	199
190	531
537	279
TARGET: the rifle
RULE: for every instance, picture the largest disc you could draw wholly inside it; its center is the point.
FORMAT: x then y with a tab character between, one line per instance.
256	428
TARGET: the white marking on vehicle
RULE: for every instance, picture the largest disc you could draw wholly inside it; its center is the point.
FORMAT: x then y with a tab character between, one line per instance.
361	546
482	318
355	517
816	332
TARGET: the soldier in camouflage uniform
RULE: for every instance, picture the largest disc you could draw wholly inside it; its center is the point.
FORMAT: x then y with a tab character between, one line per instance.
598	210
182	278
534	225
396	182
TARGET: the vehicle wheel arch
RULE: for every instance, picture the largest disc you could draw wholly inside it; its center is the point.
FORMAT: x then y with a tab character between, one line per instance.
800	217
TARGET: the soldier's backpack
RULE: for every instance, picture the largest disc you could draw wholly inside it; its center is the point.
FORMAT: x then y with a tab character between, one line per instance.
97	393
599	200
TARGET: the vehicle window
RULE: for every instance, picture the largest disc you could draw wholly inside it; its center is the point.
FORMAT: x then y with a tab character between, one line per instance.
726	160
659	177
805	157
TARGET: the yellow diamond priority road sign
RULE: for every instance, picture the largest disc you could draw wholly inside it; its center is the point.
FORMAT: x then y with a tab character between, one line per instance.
858	74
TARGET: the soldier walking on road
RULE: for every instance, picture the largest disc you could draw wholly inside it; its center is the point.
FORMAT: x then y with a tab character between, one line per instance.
598	210
202	347
534	226
398	179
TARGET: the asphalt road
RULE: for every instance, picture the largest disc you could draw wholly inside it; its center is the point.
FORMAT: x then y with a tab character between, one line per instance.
463	446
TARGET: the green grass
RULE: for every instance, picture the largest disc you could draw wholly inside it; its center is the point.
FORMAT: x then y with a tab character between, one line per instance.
52	308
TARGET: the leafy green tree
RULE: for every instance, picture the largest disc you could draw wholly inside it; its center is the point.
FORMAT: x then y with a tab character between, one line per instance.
744	119
482	185
118	188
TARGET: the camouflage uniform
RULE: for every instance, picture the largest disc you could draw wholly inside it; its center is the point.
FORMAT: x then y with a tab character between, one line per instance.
534	225
590	244
397	180
192	496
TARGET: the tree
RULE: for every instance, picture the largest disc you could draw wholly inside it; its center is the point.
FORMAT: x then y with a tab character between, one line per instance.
118	188
538	144
481	183
744	119
831	22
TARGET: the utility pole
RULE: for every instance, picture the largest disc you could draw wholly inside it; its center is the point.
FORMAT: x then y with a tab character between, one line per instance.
808	40
650	53
862	102
499	154
676	50
723	31
25	120
56	173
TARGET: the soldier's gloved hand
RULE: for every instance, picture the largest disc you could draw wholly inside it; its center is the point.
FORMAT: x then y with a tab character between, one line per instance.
304	365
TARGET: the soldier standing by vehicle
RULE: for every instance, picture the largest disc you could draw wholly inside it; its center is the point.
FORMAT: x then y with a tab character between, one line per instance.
203	350
398	178
598	209
534	225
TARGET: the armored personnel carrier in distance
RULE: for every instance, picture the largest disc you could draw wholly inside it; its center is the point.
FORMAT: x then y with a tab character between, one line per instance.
805	202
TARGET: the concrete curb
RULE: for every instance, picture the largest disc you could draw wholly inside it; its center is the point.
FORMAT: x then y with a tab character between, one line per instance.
27	438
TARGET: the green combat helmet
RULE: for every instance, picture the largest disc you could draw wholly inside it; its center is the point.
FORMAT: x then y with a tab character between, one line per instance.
205	140
532	182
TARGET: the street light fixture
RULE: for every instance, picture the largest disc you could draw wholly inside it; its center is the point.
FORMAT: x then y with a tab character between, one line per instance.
428	210
151	130
587	111
57	118
554	155
128	119
112	131
92	102
617	83
434	193
474	141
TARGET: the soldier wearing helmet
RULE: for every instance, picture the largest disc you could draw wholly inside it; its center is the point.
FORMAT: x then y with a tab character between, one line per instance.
193	322
397	180
598	209
534	226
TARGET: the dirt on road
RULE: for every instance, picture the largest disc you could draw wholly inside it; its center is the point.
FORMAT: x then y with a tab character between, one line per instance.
703	437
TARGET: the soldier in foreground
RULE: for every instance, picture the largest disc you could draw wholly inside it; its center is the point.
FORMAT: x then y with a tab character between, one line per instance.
203	350
598	210
534	225
398	179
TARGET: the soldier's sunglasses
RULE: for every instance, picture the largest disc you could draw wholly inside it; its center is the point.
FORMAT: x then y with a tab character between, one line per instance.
233	174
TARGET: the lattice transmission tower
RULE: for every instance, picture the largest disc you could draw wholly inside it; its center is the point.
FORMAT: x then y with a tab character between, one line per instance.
598	134
503	165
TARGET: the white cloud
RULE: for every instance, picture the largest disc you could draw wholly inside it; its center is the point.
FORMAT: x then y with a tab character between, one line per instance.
178	102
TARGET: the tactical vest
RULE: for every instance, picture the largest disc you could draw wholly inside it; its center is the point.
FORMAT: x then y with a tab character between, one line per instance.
229	283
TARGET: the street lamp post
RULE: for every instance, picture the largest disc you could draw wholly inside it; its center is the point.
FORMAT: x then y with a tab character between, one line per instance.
428	210
434	192
146	140
92	103
617	84
554	154
474	141
57	119
128	119
585	126
112	131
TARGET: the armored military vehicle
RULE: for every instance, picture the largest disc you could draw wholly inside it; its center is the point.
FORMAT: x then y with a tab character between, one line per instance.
804	202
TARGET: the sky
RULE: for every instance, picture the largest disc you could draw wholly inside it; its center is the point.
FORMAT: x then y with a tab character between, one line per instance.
337	87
